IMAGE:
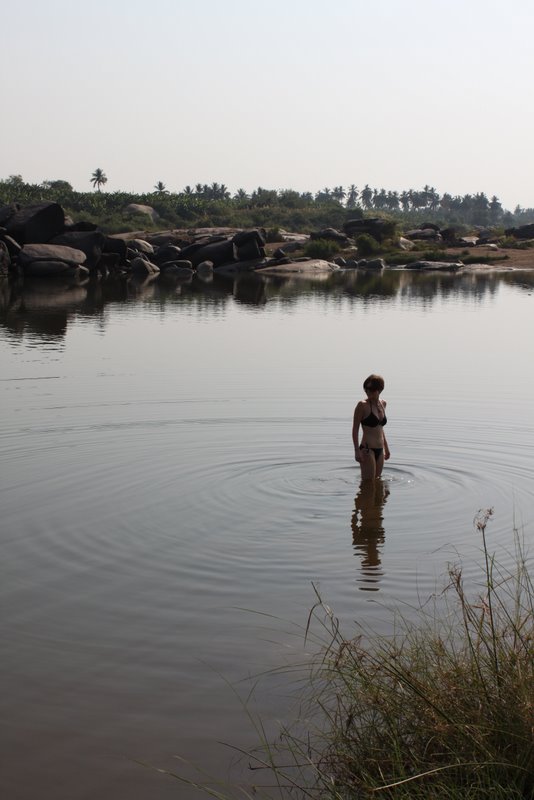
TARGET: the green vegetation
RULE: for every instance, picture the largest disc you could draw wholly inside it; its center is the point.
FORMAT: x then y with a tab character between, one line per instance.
513	244
213	205
322	248
443	708
367	245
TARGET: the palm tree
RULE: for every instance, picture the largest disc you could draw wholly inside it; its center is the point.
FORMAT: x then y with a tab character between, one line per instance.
99	178
323	196
366	196
445	202
352	196
338	193
380	198
405	200
434	199
160	188
241	196
495	208
393	201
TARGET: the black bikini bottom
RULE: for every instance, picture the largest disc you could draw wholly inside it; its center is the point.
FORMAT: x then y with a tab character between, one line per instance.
376	450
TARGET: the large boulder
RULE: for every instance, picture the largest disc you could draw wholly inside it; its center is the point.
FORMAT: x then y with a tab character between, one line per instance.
330	234
297	238
163	238
430	226
291	246
82	225
13	247
91	243
138	208
423	234
140	266
244	237
376	227
522	232
376	264
141	246
70	256
6	212
249	250
36	223
116	244
218	253
169	252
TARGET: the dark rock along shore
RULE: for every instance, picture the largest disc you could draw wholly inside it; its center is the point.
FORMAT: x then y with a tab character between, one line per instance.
41	241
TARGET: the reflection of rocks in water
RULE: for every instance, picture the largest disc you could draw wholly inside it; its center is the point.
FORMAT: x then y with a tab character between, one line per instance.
6	295
368	531
40	295
250	289
43	306
143	288
21	298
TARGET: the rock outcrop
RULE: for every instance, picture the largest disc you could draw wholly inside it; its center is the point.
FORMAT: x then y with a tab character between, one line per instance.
138	208
39	240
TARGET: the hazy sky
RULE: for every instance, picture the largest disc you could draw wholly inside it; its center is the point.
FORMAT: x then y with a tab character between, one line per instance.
284	94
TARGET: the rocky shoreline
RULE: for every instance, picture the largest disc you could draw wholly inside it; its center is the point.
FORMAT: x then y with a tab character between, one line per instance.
41	241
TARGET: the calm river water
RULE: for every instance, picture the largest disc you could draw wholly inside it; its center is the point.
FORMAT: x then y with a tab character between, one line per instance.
177	466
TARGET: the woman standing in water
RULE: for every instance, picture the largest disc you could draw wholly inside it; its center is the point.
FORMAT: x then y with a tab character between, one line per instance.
370	413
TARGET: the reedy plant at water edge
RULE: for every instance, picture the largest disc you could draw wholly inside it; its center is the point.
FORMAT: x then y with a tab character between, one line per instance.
441	708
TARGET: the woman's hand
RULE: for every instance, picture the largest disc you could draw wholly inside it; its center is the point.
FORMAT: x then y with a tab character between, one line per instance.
386	453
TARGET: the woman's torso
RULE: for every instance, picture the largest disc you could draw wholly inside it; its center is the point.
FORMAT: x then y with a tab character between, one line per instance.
373	421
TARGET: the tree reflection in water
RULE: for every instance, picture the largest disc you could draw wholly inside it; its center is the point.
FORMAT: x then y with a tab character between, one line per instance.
368	531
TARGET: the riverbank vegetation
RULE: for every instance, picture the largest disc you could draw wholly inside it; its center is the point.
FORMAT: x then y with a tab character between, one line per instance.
206	205
443	708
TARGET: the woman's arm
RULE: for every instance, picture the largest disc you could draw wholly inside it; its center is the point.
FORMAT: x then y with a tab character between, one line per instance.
386	447
358	416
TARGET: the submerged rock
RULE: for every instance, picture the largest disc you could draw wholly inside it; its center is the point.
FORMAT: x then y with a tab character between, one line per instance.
445	266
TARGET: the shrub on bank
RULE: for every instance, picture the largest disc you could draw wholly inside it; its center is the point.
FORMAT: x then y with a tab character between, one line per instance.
367	245
322	248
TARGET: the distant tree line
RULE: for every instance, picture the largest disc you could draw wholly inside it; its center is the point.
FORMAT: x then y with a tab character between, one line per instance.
214	204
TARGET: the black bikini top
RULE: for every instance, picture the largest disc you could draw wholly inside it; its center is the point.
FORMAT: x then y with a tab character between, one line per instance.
372	421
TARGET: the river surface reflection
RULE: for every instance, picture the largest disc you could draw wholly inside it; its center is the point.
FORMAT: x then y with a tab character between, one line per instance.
177	471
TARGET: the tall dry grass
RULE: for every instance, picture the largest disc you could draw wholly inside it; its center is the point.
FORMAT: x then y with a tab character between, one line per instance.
442	708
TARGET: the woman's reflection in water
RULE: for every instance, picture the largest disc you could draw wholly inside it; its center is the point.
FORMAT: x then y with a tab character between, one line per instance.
368	530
